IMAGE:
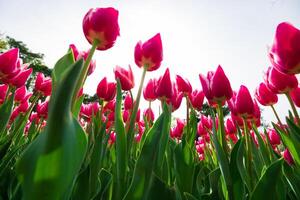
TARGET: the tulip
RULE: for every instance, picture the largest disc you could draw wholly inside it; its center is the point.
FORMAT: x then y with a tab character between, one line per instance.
128	104
285	51
22	94
274	81
196	98
216	86
183	85
101	24
23	107
288	157
230	127
273	137
149	90
106	90
265	96
20	79
125	115
178	130
112	138
201	130
42	109
3	92
8	62
149	115
242	104
43	85
256	114
74	51
176	98
295	95
164	86
125	76
149	54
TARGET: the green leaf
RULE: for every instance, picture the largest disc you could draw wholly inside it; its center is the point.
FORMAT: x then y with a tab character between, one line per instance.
262	147
105	179
121	148
145	165
160	190
81	189
241	164
61	66
237	182
293	179
266	186
5	112
49	166
189	196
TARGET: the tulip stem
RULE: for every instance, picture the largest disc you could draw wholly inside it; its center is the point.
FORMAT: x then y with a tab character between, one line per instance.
130	132
187	116
222	128
249	152
276	114
84	72
293	107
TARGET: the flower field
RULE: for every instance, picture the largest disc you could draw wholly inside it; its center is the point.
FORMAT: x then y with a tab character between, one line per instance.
55	146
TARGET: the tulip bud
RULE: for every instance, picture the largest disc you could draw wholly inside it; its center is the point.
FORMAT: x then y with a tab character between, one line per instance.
164	86
3	92
196	98
273	137
149	115
125	76
183	85
230	127
288	157
101	24
149	90
274	81
21	94
265	96
149	54
285	51
20	79
128	104
216	86
295	95
8	62
43	85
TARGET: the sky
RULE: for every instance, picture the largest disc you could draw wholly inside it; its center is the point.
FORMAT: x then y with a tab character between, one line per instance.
197	36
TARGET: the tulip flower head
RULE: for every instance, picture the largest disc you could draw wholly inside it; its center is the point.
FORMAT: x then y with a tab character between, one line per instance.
149	54
196	98
285	51
164	89
8	63
43	85
106	90
3	92
265	96
295	95
183	85
216	86
149	91
125	76
101	24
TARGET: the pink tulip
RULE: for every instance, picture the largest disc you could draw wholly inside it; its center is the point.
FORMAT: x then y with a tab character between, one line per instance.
8	62
265	96
22	94
106	90
242	104
285	51
20	79
274	81
101	24
43	85
42	109
149	115
125	115
164	86
273	137
196	98
178	129
295	95
3	92
125	76
149	90
183	85
176	98
149	54
288	157
230	127
216	86
128	104
23	107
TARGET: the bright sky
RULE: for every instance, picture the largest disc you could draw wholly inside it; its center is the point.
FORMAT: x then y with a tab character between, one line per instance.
197	35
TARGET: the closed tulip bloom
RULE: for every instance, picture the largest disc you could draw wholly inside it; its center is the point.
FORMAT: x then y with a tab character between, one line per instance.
230	127
178	129
285	51
125	76
149	54
201	130
8	62
3	92
101	24
128	104
273	137
149	91
196	98
265	96
42	109
92	65
288	157
74	51
216	86
125	115
295	95
43	85
164	86
183	85
256	115
149	115
20	79
242	104
278	82
22	94
23	107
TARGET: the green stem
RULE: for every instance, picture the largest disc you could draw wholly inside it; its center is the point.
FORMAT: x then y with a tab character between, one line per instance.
84	72
249	152
293	107
221	136
276	115
130	132
187	117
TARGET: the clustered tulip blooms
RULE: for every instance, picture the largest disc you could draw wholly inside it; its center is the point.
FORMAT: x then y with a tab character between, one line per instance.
111	148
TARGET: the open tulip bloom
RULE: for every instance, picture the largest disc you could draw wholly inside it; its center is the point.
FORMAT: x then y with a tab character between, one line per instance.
56	144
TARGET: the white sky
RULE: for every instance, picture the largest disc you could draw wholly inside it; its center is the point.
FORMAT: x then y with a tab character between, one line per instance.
196	35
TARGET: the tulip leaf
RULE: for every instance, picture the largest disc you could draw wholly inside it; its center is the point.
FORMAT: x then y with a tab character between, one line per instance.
121	149
293	179
237	182
160	190
50	164
262	147
240	163
81	190
61	66
5	112
146	163
268	182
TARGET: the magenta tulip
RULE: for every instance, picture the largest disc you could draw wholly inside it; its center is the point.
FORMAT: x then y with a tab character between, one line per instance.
149	91
183	85
295	95
125	76
8	62
196	98
265	96
164	86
